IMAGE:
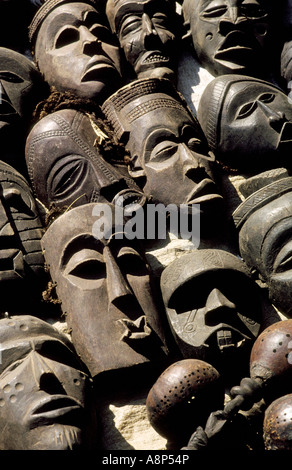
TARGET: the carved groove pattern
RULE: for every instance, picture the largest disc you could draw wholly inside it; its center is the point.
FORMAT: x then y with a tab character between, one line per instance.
259	199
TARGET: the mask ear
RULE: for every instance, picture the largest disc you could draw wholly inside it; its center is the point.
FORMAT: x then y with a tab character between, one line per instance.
187	33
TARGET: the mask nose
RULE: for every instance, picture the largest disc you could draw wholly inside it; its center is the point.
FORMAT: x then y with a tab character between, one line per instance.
233	17
149	33
233	14
216	305
276	118
117	286
188	161
90	43
147	26
44	375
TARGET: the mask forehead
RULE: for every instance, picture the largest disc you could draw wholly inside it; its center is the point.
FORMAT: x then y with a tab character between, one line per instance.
201	5
48	7
74	14
193	267
159	123
117	10
70	226
149	104
241	93
192	6
20	334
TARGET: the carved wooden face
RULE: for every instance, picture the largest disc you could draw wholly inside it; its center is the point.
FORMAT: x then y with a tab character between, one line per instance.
43	387
211	304
168	151
65	167
76	51
145	30
255	124
105	289
228	35
20	91
20	228
266	245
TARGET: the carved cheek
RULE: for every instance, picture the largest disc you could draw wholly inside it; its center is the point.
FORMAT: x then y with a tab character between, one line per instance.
11	393
113	53
67	176
132	45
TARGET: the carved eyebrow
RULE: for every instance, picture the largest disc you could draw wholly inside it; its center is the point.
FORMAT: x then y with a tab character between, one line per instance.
160	134
13	356
69	20
210	4
61	22
131	9
94	17
64	19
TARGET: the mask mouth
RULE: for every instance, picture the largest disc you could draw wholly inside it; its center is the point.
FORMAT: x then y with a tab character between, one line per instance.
221	335
154	58
56	408
227	339
151	59
205	190
97	67
224	342
236	48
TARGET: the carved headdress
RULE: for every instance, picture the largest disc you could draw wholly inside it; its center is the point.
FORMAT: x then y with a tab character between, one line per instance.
138	98
46	9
